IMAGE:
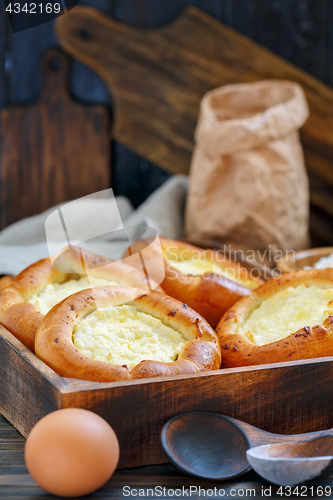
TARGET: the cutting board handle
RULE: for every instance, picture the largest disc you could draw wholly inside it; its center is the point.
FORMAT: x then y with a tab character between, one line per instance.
154	109
54	149
55	67
97	40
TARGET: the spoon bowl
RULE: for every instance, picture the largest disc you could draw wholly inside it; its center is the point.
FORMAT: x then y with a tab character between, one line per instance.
288	464
214	446
206	446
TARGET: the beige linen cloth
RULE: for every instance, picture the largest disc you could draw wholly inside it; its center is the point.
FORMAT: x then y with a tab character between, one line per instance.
248	183
24	242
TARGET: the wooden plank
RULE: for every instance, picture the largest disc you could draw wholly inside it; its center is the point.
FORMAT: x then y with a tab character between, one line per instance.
147	13
158	77
85	86
3	50
54	150
238	15
26	51
134	176
304	27
155	482
328	70
25	75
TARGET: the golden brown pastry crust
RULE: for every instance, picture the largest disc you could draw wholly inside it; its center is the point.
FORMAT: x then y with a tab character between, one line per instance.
308	342
22	319
55	347
210	294
5	281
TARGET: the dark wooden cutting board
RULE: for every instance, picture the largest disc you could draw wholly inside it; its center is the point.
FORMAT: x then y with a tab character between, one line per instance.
53	150
157	78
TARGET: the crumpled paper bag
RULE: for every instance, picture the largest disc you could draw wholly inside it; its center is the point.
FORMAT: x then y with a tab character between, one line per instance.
248	182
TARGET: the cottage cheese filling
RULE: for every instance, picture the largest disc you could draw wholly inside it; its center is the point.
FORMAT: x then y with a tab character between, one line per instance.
54	293
286	312
122	335
198	267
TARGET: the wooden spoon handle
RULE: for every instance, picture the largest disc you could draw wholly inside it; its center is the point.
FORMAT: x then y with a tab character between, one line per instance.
258	437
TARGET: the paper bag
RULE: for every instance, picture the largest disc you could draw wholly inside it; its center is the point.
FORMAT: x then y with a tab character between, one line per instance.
248	183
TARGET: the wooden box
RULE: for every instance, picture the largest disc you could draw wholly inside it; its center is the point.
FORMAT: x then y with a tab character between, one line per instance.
286	397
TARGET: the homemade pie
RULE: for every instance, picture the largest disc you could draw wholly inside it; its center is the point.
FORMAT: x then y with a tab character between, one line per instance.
115	333
39	287
204	279
5	281
287	318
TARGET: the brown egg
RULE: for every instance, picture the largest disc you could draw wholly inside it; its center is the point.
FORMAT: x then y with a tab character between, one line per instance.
71	452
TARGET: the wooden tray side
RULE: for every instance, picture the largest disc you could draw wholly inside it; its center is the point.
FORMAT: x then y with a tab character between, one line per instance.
283	398
286	398
26	392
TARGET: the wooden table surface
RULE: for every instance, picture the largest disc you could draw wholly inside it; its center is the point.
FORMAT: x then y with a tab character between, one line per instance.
154	482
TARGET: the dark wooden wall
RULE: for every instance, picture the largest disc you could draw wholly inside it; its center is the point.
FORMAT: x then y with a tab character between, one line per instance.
301	31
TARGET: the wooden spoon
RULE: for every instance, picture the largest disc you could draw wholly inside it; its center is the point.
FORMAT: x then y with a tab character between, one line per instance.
288	464
214	446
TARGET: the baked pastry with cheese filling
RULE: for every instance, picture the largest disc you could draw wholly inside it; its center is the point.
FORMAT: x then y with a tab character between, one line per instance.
39	287
204	279
4	282
287	318
116	333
